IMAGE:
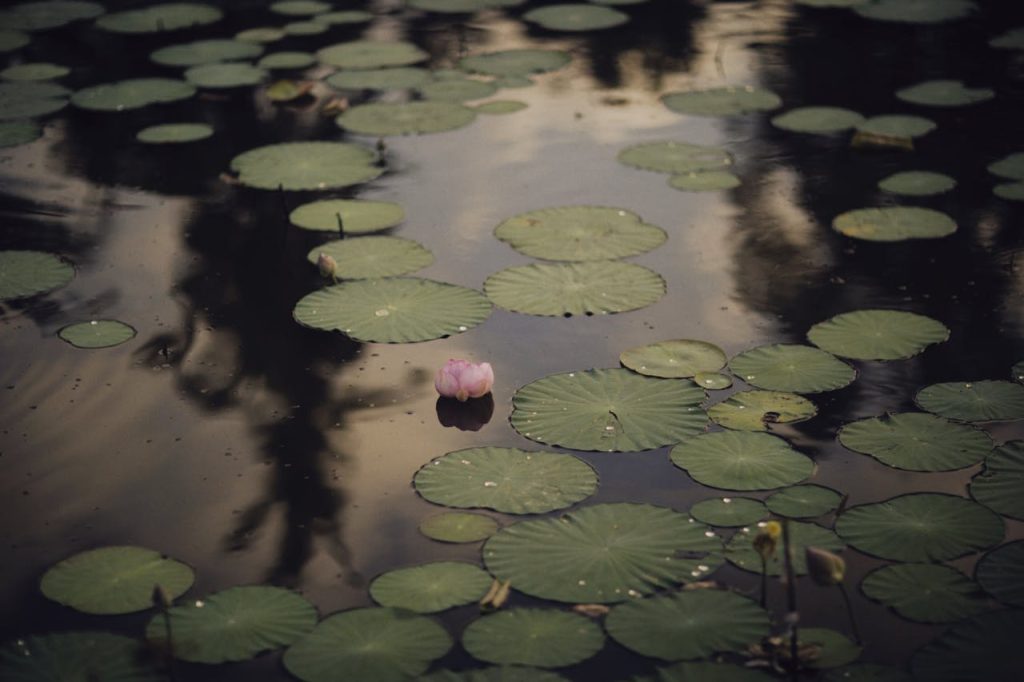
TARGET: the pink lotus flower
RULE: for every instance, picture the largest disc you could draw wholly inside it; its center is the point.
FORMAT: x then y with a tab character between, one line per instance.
461	379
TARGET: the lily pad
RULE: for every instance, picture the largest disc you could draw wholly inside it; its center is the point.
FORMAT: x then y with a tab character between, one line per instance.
459	527
504	106
674	359
97	333
877	334
706	671
408	118
916	11
286	60
982	649
728	101
229	75
497	673
733	460
793	368
375	256
566	289
803	501
78	657
704	181
457	90
834	649
305	28
602	553
506	479
729	512
917	442
461	6
974	401
370	54
576	17
1011	40
897	125
306	166
544	638
394	310
112	580
920	527
342	17
755	410
688	625
174	133
944	93
13	40
741	553
27	273
34	71
608	410
48	14
14	133
579	233
430	588
998	485
236	624
205	52
712	380
1001	573
926	593
521	62
261	34
894	223
917	183
31	99
675	157
1011	191
133	93
397	78
818	120
358	216
170	16
300	8
379	644
1010	166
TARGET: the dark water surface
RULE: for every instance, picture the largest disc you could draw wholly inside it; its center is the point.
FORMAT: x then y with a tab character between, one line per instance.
257	450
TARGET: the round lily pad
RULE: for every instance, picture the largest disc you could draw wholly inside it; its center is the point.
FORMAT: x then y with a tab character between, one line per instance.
394	310
506	479
792	367
675	359
134	93
833	648
579	233
205	52
741	553
867	672
503	106
34	71
298	8
877	334
920	527
97	333
306	166
803	501
521	62
981	649
369	54
566	289
229	75
286	60
342	17
261	34
379	644
916	11
459	527
460	6
544	638
13	40
497	673
755	410
944	93
1011	191
396	78
712	380
917	183
609	410
917	442
675	157
27	273
31	99
357	216
974	401
896	125
78	657
112	580
305	28
405	118
576	17
688	625
734	460
998	485
729	511
170	16
1011	40
706	671
430	588
236	624
375	256
1001	573
722	101
894	223
704	181
602	553
818	120
457	90
1010	166
14	133
174	133
47	14
926	593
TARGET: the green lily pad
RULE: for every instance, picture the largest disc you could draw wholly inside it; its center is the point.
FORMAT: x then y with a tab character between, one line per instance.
916	11
675	157
397	78
31	99
358	216
728	101
835	649
14	133
27	273
704	181
917	442
236	624
917	183
793	368
498	673
706	671
729	512
877	334
134	93
205	52
733	460
370	54
457	90
78	657
342	17
1011	40
306	166
975	401
286	60
579	233
459	527
537	637
602	553
806	501
608	410
286	90
818	120
97	333
34	71
461	6
998	485
755	410
1001	573
506	480
982	649
741	553
503	106
944	93
299	8
1011	191
576	17
170	16
521	62
926	593
112	580
897	125
13	40
567	289
688	625
1010	166
305	28
229	75
394	310
920	527
374	256
867	672
894	223
379	644
48	14
261	34
674	359
408	118
430	588
712	380
174	133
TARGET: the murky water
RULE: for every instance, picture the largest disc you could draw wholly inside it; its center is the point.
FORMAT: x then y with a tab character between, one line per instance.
256	450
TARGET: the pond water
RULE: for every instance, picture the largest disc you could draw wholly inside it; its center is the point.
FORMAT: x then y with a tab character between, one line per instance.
259	451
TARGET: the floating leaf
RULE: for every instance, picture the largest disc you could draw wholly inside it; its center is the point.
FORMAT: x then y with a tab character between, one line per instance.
158	18
877	334
358	216
917	442
818	120
755	410
803	501
506	480
712	380
205	52
398	78
729	511
296	8
894	223
792	367
998	485
1011	40
461	6
306	166
287	90
896	125
926	593
265	34
704	181
48	14
27	273
34	71
342	17
230	75
13	40
134	93
734	460
1011	191
430	588
457	90
537	637
78	657
983	649
369	54
29	99
706	671
14	133
305	28
920	527
1001	573
608	410
521	62
975	401
174	133
916	11
503	673
1010	166
576	17
917	183
408	118
504	106
459	527
834	649
741	553
675	157
674	359
375	256
944	93
722	101
97	333
579	233
286	60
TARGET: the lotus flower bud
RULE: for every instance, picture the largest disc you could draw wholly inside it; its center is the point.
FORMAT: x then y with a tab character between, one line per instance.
327	265
824	567
461	379
767	539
